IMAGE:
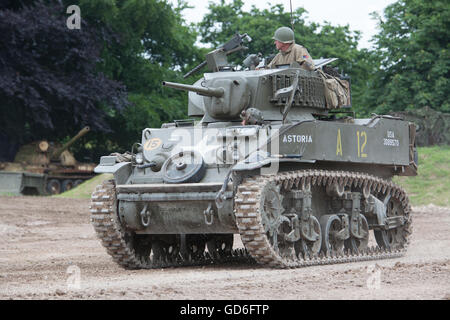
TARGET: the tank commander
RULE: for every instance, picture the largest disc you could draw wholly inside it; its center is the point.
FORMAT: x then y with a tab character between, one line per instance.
289	51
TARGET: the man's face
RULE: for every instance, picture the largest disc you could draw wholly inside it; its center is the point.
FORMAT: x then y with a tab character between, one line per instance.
281	46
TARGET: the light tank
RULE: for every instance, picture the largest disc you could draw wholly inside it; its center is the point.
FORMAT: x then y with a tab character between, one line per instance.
269	159
43	167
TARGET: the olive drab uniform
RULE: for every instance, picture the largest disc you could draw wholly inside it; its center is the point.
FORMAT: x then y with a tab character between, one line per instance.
296	53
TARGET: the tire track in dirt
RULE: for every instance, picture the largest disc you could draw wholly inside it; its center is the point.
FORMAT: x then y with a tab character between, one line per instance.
45	242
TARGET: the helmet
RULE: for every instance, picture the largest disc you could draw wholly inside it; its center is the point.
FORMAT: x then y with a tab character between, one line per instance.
284	34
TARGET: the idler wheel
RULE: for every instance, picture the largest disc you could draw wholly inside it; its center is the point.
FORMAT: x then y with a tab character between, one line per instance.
184	167
273	221
141	244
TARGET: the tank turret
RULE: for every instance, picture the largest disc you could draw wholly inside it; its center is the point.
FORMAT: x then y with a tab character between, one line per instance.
226	92
224	98
57	152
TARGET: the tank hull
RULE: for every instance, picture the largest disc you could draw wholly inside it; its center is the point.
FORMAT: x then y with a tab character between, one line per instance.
38	180
176	209
22	183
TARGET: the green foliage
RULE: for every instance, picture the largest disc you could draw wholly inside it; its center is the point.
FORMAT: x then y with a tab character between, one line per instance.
151	43
413	57
224	20
49	85
147	111
432	184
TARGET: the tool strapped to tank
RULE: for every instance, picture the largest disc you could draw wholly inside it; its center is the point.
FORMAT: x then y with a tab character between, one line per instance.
216	60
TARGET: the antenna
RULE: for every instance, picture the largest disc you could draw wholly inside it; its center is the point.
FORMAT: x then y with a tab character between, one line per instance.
292	22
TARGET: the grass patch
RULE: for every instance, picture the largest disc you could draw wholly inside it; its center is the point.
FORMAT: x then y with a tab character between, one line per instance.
7	194
432	184
84	190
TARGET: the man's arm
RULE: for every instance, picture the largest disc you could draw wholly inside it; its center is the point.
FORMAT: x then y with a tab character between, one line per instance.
304	58
273	63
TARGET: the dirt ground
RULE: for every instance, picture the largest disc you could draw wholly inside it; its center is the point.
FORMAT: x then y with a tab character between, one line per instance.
48	250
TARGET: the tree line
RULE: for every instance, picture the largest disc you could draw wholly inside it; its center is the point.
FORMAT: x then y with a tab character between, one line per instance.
107	74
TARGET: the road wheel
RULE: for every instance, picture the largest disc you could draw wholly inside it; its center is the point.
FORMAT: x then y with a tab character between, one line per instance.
392	238
53	186
331	225
77	182
359	244
220	245
67	185
195	246
307	247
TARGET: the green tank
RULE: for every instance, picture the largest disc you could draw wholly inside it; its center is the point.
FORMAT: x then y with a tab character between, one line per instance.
43	167
273	157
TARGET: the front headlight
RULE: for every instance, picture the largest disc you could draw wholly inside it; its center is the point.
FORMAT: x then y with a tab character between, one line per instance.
139	158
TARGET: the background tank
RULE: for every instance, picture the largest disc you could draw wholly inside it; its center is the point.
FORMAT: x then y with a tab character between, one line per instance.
43	167
276	158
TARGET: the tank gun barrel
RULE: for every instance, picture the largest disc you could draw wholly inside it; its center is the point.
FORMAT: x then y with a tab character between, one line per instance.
58	151
205	91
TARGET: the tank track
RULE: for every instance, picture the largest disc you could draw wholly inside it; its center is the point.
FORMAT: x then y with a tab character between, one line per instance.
114	238
249	222
258	249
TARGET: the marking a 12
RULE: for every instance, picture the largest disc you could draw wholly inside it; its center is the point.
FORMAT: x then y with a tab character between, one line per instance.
362	142
152	144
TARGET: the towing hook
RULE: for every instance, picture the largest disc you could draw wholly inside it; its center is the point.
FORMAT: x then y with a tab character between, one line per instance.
145	216
209	215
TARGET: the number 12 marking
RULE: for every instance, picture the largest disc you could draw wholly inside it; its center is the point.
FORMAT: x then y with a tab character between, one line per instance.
362	137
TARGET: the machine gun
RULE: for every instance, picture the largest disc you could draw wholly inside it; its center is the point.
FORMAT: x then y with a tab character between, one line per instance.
217	59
